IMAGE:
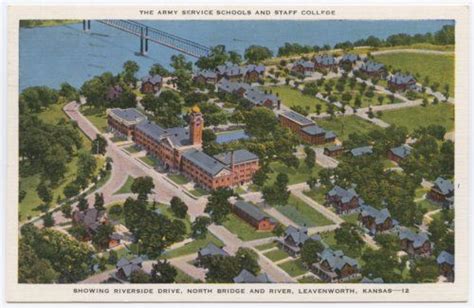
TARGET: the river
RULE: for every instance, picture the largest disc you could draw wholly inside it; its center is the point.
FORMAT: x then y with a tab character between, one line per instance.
52	55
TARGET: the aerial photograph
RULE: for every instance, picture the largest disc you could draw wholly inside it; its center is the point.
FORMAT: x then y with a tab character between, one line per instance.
236	151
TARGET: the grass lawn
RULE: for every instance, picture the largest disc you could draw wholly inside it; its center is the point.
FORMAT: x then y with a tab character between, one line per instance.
126	187
178	179
276	255
309	279
291	97
266	246
243	230
420	192
97	117
428	206
149	160
412	118
301	213
298	175
199	192
439	68
132	149
387	163
239	190
193	246
317	194
293	268
351	218
118	138
344	126
182	277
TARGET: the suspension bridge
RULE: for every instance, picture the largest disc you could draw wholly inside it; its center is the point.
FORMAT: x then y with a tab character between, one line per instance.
150	34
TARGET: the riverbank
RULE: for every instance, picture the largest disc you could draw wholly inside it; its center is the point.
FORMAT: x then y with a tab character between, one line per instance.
47	23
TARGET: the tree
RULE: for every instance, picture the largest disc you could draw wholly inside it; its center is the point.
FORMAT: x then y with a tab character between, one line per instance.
218	206
260	177
199	227
33	269
113	257
37	98
66	209
142	186
256	54
82	204
44	192
248	259
208	136
310	250
310	159
178	62
158	69
48	220
139	276
312	181
99	145
347	235
178	207
424	270
86	165
381	263
102	235
130	68
260	121
163	272
68	92
278	193
167	108
99	201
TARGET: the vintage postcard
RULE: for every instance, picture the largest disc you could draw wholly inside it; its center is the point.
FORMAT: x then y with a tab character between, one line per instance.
237	154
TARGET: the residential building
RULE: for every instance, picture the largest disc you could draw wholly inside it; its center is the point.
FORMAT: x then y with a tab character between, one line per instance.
91	219
259	98
247	277
253	216
124	121
253	73
344	201
303	67
333	150
373	69
209	251
334	266
125	268
401	82
375	220
205	76
306	129
325	61
249	73
442	192
151	84
233	87
114	93
370	280
115	239
414	243
398	154
445	262
361	151
349	58
294	238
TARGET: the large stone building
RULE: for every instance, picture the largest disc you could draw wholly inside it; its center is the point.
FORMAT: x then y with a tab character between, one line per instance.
306	129
179	149
124	121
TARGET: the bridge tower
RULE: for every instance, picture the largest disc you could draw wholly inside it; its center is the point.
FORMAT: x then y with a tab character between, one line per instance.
86	25
143	41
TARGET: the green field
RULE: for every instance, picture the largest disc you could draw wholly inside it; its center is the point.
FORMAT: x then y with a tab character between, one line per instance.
193	247
133	149
242	229
428	206
291	97
309	279
412	118
266	246
178	179
344	126
351	218
126	187
97	117
276	255
293	268
29	205
199	192
439	68
317	194
298	175
301	213
149	160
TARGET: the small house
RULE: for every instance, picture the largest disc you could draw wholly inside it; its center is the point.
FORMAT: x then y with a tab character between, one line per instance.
247	277
349	59
334	266
414	243
151	84
401	82
91	219
126	267
325	61
114	93
442	192
398	154
333	150
373	69
344	201
209	251
205	76
361	151
294	238
253	216
445	262
302	67
252	72
375	220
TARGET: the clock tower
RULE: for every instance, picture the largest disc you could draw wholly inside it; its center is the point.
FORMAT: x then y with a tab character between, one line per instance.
196	125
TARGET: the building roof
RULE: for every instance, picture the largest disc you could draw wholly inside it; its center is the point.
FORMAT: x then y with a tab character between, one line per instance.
237	157
418	239
206	74
205	162
337	259
325	60
401	79
230	69
299	236
334	147
90	217
330	135
257	97
178	136
446	187
128	114
247	277
313	130
379	215
231	136
445	257
155	79
375	280
129	266
371	66
251	210
362	151
212	250
349	57
231	86
402	151
304	63
345	195
297	117
252	67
